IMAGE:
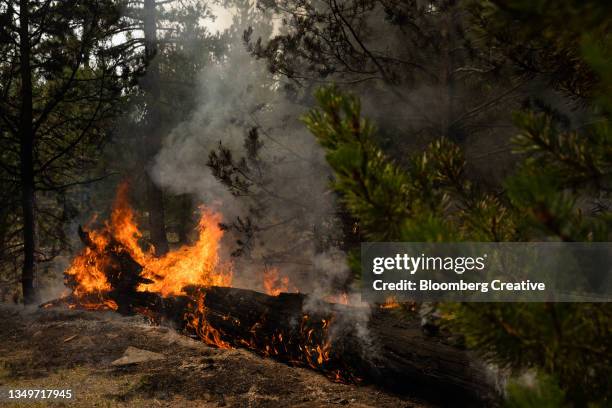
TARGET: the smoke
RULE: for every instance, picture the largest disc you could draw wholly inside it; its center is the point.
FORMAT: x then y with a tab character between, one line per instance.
331	269
289	199
295	209
51	283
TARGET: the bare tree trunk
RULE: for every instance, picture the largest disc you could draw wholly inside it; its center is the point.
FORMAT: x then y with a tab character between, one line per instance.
185	221
155	196
26	156
157	222
448	74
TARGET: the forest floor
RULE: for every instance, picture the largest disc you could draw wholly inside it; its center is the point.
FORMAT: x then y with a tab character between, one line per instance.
69	349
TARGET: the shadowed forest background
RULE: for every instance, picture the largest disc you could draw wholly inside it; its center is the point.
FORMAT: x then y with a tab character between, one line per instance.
313	126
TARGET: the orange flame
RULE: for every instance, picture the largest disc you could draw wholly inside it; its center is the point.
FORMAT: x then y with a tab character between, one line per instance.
196	264
274	284
390	303
196	320
200	265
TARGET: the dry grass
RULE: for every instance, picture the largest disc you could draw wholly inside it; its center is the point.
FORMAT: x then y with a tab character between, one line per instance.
61	349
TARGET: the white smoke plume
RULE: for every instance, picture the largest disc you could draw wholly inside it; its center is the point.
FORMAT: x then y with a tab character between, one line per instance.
235	95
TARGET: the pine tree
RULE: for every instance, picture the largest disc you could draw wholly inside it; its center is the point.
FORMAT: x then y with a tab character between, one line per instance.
172	39
560	191
60	83
419	61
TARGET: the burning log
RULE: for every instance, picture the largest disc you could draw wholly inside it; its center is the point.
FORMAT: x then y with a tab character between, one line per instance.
393	354
385	351
123	274
390	353
187	288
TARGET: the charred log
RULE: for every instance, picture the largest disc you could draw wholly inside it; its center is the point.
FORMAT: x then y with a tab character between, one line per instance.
124	276
386	350
346	343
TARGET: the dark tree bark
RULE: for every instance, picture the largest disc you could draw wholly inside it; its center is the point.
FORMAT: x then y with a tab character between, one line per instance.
157	222
393	352
26	156
447	75
185	221
155	196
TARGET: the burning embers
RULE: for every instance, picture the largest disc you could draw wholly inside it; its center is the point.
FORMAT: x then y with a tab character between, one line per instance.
274	327
114	272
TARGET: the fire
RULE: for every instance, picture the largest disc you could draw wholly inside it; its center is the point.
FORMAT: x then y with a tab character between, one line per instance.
106	304
197	321
316	353
274	284
196	264
390	303
114	263
124	229
87	269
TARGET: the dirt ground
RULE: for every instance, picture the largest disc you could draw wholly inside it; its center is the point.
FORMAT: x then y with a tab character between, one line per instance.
59	348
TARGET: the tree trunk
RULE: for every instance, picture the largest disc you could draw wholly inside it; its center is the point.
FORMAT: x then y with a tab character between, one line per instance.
157	222
448	76
155	196
26	157
185	218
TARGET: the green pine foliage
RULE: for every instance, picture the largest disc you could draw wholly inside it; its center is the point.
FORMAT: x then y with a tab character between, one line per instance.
558	193
541	392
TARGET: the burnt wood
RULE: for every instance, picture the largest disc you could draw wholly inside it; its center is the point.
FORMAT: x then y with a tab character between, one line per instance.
385	347
124	276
